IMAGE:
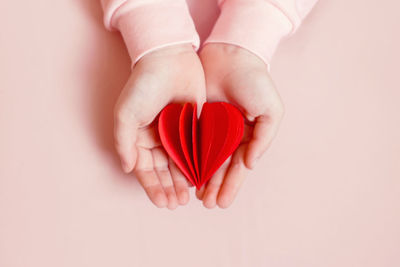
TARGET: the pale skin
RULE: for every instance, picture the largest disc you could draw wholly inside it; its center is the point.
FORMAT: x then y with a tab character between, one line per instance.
172	74
177	74
237	76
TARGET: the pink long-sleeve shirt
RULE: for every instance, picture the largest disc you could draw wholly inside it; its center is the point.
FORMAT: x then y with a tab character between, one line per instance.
256	25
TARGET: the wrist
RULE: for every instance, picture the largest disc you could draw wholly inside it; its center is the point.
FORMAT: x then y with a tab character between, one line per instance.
233	52
147	26
171	50
255	25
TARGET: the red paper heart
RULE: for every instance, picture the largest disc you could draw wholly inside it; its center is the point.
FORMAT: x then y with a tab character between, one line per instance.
200	146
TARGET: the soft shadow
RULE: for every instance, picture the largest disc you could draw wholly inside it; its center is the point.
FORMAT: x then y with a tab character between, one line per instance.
204	14
108	67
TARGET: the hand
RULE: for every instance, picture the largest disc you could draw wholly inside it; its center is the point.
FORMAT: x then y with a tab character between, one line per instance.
172	74
235	75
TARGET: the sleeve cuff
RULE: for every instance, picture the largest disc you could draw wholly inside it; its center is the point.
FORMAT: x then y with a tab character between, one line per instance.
146	27
257	26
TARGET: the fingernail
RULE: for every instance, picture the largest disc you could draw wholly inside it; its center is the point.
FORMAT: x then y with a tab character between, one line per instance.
224	201
184	198
250	118
125	167
160	200
254	162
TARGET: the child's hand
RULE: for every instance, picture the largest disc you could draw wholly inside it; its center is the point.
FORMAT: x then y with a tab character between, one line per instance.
172	74
237	76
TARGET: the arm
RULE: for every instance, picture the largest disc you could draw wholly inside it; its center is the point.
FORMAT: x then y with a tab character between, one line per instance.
161	40
258	25
148	25
235	59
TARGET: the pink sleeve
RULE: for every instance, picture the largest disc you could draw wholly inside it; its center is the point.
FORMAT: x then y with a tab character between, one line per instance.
147	25
258	25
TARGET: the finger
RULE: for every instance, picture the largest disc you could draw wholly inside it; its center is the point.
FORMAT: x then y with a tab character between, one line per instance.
264	132
234	178
200	193
213	186
247	133
161	166
180	182
125	132
148	178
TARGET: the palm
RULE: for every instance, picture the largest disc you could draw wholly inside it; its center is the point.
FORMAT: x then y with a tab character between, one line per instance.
237	76
155	82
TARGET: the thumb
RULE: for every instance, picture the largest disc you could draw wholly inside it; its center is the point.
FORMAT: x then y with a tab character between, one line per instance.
265	129
125	135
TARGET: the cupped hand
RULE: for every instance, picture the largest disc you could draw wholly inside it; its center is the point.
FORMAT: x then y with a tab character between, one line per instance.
171	74
235	75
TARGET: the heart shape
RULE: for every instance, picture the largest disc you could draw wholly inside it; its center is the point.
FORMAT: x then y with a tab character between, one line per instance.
200	146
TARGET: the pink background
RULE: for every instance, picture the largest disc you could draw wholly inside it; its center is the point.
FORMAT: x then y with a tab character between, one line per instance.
326	194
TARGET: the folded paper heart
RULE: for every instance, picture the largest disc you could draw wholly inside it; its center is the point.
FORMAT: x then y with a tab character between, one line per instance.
200	146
